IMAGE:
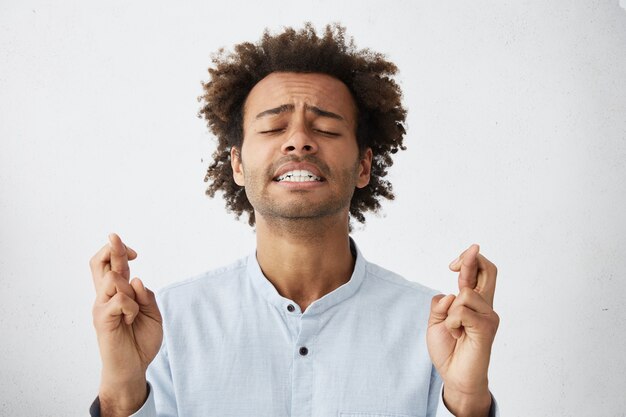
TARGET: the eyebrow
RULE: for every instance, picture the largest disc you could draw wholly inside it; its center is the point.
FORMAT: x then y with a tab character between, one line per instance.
290	108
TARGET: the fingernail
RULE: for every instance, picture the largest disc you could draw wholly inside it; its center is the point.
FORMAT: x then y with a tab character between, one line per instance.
454	262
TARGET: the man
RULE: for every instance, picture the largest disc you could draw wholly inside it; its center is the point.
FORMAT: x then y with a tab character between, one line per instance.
305	326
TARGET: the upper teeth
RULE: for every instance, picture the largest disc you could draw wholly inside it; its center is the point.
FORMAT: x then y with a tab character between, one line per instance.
299	176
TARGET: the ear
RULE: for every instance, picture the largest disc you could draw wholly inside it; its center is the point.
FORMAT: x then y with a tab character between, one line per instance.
235	163
365	168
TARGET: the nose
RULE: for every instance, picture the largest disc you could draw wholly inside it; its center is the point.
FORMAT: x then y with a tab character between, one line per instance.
299	142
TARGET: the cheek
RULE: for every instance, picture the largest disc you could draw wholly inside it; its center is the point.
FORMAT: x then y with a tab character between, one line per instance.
256	158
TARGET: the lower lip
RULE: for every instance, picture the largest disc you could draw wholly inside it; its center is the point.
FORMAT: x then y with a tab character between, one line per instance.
305	185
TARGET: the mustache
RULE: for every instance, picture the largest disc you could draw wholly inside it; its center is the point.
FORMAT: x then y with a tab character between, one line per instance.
311	159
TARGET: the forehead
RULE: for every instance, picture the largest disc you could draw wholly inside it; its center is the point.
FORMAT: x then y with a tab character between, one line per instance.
321	90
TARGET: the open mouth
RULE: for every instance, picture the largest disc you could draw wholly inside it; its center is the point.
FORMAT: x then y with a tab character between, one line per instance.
298	175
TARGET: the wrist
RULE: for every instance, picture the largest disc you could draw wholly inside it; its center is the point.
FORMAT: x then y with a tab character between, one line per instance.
122	399
461	404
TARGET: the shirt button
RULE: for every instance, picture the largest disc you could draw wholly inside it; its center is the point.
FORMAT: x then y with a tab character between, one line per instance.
291	308
304	351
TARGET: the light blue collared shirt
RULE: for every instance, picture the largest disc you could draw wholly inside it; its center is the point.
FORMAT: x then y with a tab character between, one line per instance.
233	346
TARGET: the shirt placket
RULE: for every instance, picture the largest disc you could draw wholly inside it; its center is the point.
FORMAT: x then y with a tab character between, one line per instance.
303	375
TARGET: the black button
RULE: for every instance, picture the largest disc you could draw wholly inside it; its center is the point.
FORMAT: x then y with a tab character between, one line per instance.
304	351
291	308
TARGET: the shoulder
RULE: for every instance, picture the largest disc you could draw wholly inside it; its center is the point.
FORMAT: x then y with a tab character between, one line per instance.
391	291
391	281
379	280
394	298
213	282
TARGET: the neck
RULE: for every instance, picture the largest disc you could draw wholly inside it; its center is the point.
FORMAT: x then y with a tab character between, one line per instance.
304	259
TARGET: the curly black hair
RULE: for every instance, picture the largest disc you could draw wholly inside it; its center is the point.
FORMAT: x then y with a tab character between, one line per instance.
367	74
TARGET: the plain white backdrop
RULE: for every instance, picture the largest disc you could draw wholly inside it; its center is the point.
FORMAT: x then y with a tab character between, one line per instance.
516	140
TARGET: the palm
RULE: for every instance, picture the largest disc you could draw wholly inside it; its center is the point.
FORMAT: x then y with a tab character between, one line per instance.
449	355
147	333
134	345
141	339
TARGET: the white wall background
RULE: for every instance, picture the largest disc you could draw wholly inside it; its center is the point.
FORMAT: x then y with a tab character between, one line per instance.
517	140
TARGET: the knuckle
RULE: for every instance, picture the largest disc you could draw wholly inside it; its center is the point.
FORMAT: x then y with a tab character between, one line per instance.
465	280
119	299
466	292
125	298
496	319
492	323
455	311
465	311
111	276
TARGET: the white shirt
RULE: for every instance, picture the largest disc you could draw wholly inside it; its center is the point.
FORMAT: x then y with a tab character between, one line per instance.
233	346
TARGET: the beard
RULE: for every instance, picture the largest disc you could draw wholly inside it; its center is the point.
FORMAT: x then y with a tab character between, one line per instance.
301	204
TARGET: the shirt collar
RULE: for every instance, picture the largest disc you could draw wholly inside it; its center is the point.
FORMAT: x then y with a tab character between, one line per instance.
265	288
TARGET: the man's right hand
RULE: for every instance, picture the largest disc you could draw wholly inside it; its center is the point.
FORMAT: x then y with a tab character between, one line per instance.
129	328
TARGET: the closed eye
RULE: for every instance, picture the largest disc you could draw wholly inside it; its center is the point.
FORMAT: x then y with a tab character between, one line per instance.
272	131
323	132
326	132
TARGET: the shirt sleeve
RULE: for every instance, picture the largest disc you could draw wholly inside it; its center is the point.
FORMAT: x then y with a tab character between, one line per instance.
435	394
159	376
147	409
442	410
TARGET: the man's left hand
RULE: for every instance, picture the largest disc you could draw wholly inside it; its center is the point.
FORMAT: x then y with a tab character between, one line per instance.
461	330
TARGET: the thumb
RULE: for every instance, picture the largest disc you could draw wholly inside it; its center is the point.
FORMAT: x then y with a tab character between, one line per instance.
439	308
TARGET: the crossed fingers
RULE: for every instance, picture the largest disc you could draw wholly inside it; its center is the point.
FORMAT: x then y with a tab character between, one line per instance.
110	270
476	272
